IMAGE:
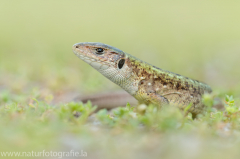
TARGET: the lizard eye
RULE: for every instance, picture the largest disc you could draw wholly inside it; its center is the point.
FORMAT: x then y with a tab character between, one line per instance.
121	63
99	51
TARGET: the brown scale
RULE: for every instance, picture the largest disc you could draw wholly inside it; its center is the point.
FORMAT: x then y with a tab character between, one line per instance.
176	89
147	92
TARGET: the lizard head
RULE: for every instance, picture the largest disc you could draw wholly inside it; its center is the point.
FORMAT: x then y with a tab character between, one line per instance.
108	60
100	56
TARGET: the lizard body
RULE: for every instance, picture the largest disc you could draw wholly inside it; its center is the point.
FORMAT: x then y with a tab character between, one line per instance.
147	83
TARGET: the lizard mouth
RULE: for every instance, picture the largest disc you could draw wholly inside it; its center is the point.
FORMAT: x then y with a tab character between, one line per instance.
97	64
81	54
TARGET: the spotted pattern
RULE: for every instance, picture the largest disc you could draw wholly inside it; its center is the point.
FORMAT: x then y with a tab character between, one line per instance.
147	83
178	90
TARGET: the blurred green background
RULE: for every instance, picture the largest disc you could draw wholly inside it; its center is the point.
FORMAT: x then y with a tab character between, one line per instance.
198	39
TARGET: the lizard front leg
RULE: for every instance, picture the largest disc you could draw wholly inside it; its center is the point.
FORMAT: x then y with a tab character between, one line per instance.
152	98
157	99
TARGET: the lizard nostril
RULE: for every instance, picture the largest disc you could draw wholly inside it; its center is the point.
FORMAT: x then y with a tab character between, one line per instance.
77	46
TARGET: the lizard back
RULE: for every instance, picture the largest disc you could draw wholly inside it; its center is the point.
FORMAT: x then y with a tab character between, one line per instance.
178	90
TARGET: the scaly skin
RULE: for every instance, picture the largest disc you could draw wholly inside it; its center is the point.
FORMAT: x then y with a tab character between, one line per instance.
147	83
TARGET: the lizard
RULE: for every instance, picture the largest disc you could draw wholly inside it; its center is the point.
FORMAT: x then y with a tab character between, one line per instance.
145	82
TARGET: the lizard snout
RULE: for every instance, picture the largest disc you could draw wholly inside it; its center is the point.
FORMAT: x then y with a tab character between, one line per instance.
75	46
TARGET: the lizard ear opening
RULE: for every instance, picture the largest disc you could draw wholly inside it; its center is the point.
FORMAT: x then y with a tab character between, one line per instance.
121	63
